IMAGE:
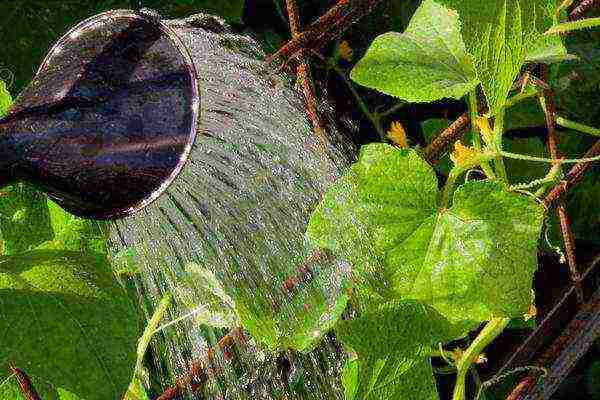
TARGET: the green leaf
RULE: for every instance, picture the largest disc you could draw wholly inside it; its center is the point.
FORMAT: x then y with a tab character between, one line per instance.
350	379
393	341
469	262
5	99
593	380
427	62
87	322
548	49
24	218
204	295
498	34
298	319
74	233
480	257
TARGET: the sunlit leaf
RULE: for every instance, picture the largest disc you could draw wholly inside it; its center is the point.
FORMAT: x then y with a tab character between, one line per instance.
427	62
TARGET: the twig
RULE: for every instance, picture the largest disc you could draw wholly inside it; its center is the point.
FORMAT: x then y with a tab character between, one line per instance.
25	384
564	353
326	28
451	134
199	372
305	270
558	315
303	73
574	176
580	11
549	104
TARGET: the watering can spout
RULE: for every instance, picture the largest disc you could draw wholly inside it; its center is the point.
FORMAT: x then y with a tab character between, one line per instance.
109	119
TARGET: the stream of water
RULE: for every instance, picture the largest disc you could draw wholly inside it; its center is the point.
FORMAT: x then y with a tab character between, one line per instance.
239	209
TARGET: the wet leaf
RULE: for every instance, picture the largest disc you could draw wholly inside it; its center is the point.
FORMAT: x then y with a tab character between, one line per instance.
203	295
469	262
427	62
299	318
87	322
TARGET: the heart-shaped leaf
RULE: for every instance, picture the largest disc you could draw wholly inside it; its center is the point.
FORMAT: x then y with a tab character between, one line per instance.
427	62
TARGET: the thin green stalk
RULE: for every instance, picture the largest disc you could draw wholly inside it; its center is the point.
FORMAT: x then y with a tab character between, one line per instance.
150	330
573	25
449	186
498	132
491	330
577	126
473	114
549	160
391	110
361	104
517	98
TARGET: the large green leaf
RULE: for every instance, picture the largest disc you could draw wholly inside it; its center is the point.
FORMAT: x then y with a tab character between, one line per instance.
393	341
499	34
24	218
67	322
469	262
481	257
427	62
296	319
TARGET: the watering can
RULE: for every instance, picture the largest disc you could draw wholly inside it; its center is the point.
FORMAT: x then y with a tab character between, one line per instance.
109	118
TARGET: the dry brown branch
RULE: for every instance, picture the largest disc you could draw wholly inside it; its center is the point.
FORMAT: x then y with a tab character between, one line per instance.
580	11
25	384
201	370
323	30
303	73
573	177
450	135
552	145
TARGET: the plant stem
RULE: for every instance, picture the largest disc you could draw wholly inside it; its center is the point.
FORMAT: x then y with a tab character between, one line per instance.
449	186
361	104
391	110
491	330
573	25
549	160
498	132
473	114
577	126
159	312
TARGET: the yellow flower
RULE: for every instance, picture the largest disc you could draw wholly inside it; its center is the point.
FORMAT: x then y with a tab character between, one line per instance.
464	156
457	355
397	135
483	124
345	51
481	359
531	313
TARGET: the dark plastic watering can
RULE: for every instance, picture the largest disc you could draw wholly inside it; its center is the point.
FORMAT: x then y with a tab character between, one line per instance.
109	119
